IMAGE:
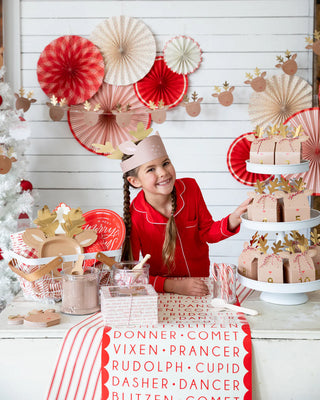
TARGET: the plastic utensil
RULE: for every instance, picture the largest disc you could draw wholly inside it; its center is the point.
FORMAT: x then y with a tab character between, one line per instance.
221	303
142	262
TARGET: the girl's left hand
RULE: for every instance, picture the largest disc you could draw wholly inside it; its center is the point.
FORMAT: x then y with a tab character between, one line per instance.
234	218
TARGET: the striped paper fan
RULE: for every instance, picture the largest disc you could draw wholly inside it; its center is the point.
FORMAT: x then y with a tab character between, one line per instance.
107	129
128	47
283	96
309	119
70	67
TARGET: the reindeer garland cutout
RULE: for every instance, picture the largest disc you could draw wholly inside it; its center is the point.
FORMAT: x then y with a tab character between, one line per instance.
48	244
314	42
123	115
56	108
192	108
24	103
288	66
225	98
258	83
158	111
5	162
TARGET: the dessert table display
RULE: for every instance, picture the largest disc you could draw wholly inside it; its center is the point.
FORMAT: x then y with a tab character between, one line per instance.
283	339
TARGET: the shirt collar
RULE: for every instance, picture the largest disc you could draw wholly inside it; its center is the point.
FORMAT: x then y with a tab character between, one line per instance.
140	204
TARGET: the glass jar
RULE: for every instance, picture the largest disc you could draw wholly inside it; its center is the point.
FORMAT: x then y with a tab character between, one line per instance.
224	284
80	293
124	274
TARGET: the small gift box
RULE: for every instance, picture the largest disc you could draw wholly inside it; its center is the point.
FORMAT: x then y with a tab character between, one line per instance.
129	305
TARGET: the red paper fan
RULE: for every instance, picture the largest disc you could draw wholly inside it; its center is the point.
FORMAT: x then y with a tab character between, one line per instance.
161	84
107	129
110	229
238	153
309	119
70	67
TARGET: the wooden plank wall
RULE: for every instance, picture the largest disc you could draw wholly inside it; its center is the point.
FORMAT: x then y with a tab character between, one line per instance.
235	36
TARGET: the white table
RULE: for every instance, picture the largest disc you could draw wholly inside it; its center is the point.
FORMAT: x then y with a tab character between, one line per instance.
285	346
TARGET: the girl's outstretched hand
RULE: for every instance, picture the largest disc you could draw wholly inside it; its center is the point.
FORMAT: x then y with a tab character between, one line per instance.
186	286
234	218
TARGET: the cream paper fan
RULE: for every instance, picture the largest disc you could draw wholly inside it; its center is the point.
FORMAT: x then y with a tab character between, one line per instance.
128	48
284	96
182	55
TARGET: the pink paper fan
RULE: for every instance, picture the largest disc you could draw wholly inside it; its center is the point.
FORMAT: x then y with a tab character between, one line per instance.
309	119
70	67
107	129
238	154
161	84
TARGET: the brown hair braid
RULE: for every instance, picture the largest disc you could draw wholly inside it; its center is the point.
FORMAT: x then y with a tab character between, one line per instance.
170	239
126	248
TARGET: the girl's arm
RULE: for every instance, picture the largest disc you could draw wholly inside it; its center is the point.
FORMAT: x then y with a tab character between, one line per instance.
235	218
186	286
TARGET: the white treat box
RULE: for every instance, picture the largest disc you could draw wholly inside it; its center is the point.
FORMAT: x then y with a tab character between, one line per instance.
136	305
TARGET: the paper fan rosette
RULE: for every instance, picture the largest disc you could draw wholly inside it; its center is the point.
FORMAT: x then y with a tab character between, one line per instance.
238	154
283	96
309	119
70	67
161	84
182	55
128	47
107	129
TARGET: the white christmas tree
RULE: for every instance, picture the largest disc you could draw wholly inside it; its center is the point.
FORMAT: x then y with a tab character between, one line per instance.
13	200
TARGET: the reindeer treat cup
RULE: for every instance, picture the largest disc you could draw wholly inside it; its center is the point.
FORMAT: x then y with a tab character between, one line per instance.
147	150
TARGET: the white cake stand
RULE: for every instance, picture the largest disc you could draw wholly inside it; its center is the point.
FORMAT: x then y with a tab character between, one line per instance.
281	293
278	169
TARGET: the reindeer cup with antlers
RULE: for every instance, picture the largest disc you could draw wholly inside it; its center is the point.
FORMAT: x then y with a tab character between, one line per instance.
48	244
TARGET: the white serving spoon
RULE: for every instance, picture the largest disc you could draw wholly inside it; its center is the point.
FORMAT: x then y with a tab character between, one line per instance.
142	262
221	303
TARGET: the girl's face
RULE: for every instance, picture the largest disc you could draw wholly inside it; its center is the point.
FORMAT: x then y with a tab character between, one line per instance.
155	177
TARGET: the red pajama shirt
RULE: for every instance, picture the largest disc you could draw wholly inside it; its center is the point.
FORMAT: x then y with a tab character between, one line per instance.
195	228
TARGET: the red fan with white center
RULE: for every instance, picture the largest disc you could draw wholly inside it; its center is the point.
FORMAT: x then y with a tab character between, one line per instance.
70	67
161	84
238	154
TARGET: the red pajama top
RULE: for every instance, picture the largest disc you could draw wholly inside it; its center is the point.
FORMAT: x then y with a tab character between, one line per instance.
195	228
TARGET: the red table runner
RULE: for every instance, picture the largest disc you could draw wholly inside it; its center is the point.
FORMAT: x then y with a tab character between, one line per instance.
194	353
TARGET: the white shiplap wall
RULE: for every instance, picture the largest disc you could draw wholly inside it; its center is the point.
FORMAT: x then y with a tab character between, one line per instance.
235	36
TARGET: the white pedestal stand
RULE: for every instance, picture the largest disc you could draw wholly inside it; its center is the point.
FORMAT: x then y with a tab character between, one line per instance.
281	293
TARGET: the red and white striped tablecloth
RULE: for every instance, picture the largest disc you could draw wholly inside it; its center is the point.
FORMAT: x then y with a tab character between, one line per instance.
77	374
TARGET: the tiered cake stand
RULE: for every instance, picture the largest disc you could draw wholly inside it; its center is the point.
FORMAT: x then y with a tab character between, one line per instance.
281	293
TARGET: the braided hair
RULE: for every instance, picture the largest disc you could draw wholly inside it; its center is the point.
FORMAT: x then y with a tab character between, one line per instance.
169	244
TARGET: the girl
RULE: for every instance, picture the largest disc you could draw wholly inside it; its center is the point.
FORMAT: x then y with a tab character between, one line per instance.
169	220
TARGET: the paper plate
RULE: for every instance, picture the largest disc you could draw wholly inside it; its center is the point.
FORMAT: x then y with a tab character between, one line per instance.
109	227
238	153
161	84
